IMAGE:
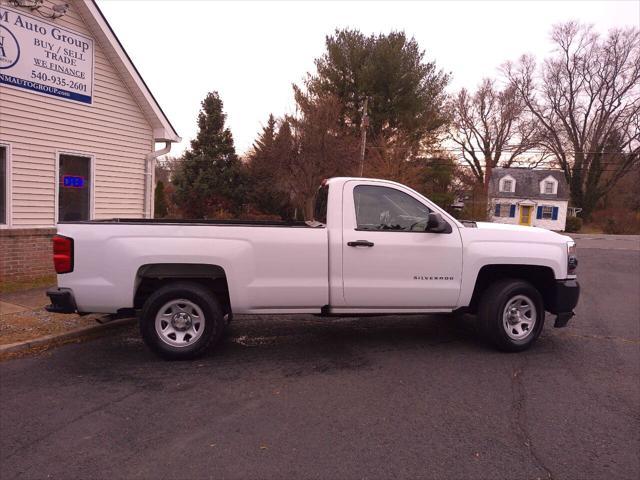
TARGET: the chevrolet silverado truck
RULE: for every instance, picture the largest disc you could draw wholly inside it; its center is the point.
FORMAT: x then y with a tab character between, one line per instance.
374	247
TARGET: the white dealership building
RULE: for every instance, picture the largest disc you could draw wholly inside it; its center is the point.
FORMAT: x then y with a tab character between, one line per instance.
79	128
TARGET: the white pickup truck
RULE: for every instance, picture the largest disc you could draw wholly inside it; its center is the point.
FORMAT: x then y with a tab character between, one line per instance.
374	247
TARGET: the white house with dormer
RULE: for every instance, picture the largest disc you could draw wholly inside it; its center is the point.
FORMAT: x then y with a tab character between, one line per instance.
522	196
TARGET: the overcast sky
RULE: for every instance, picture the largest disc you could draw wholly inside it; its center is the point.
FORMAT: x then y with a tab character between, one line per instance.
251	52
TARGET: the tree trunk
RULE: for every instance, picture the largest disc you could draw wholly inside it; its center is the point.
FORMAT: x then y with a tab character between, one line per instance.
309	204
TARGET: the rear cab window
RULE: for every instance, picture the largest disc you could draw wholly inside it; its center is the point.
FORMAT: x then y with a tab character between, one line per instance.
320	207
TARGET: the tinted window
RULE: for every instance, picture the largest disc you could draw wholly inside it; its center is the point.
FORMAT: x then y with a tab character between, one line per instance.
383	208
74	188
3	184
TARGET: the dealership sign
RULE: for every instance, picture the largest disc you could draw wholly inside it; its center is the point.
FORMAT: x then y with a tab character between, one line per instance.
44	57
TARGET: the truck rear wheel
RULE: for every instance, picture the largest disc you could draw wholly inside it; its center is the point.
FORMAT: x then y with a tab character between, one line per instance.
511	315
181	321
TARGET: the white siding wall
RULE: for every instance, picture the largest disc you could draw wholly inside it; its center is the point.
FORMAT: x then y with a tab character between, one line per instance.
113	130
558	224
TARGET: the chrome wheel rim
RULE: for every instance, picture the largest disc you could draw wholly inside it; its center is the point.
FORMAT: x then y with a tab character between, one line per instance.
519	317
179	323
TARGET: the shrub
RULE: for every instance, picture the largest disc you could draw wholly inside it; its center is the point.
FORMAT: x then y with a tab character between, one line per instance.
160	202
574	224
618	221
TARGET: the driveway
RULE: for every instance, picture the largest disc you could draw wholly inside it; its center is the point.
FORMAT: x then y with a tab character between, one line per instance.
394	397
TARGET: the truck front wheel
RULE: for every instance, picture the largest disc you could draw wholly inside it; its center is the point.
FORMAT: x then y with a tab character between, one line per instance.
181	320
511	315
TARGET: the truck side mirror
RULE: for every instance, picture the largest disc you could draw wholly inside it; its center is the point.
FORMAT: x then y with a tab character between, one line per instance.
436	224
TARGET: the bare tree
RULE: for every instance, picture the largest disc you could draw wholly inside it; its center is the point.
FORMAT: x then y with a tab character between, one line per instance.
393	157
165	168
491	127
319	147
586	98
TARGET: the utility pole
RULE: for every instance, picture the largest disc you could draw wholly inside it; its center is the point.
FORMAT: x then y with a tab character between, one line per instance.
363	131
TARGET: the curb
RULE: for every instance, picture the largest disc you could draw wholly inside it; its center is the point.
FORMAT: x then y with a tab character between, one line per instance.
50	340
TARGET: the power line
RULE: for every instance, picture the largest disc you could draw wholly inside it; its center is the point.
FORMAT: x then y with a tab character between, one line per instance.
546	166
457	163
506	150
463	163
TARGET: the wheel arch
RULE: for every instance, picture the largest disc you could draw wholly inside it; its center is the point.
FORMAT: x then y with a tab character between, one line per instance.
541	277
150	277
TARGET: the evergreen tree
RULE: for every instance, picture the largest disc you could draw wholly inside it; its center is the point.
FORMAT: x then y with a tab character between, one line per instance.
160	201
264	143
406	94
436	179
266	191
209	181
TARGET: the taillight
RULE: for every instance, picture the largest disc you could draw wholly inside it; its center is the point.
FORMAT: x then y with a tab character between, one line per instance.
63	254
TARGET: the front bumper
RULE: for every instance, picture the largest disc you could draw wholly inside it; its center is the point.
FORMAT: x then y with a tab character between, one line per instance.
62	300
562	300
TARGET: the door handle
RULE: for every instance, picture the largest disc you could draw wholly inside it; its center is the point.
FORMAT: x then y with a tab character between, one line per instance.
360	243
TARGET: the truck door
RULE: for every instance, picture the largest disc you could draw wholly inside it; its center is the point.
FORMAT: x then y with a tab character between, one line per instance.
389	261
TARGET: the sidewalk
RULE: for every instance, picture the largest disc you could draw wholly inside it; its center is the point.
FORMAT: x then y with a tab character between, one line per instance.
23	317
25	323
21	301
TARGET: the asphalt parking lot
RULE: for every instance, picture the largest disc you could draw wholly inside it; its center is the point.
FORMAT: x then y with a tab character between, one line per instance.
394	397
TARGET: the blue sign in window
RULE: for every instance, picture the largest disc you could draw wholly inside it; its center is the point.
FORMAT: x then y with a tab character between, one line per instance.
72	181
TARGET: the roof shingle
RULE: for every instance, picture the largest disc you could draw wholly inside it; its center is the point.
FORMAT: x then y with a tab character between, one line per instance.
527	183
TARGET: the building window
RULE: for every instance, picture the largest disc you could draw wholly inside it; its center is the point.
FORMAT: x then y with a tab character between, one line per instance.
548	187
74	188
505	210
547	212
507	184
388	209
4	160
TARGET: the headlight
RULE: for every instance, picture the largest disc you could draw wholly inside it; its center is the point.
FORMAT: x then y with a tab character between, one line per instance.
572	258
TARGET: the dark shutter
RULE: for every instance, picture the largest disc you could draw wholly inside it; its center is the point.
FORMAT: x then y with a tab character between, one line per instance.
555	213
512	211
497	214
539	215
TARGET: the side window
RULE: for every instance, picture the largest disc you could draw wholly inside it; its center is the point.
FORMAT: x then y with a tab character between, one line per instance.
388	209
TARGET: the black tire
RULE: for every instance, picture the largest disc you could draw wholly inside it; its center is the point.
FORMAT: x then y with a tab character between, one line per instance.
493	316
197	295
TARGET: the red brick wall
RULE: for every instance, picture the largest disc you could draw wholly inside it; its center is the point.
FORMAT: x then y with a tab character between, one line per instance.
26	254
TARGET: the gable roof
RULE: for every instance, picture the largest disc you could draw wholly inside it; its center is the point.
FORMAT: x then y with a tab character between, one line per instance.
527	183
95	20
